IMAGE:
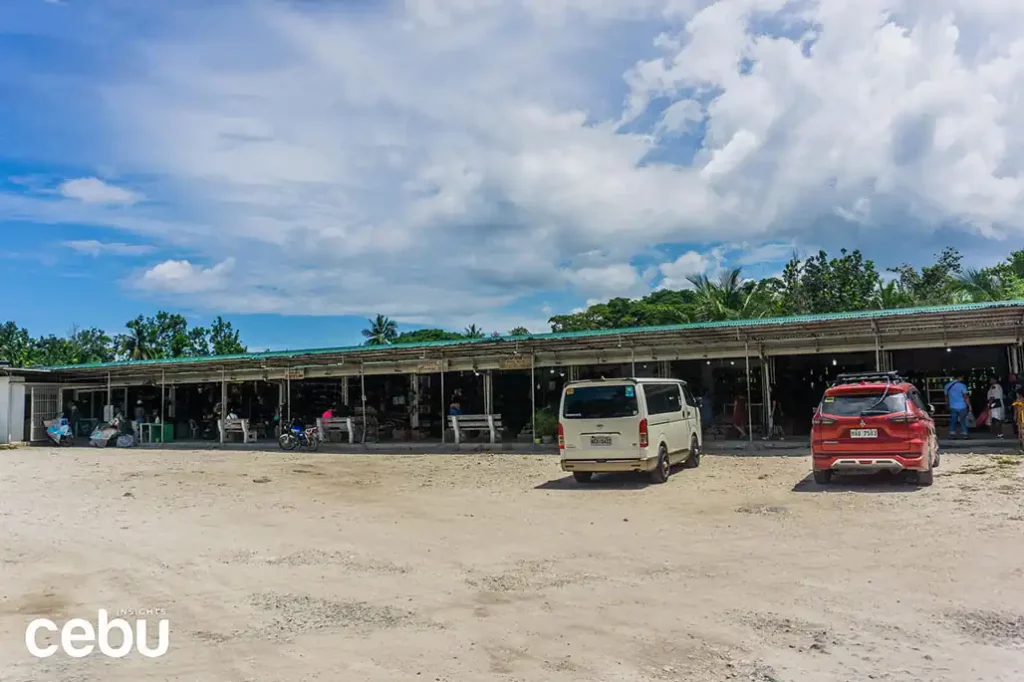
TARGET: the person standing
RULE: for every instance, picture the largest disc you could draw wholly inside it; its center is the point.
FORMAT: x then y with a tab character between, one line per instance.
739	414
996	406
957	397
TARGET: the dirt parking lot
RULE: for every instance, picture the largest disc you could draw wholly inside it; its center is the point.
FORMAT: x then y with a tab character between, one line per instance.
276	566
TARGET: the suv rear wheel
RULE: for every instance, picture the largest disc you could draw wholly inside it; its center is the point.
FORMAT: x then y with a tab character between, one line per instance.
925	478
823	477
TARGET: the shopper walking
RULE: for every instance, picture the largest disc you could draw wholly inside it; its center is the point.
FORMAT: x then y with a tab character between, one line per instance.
996	405
957	397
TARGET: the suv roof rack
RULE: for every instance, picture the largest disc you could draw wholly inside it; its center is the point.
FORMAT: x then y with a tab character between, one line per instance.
892	377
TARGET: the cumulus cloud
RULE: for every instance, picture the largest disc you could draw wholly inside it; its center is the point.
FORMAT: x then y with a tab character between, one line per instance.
443	159
92	247
182	277
95	191
676	274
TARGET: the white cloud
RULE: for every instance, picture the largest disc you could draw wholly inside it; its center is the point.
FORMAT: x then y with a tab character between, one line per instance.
95	191
676	274
608	281
446	159
182	277
92	247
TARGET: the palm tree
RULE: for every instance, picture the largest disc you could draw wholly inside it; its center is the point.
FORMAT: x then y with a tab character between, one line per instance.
892	295
473	332
381	332
137	345
728	298
978	286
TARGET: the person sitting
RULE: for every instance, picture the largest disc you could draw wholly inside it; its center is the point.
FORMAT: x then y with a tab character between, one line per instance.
328	413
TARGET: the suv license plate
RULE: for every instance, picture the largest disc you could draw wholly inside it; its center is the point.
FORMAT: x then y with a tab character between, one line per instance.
863	433
601	440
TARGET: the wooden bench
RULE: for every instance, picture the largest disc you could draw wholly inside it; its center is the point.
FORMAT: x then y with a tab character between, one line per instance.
229	426
336	425
475	422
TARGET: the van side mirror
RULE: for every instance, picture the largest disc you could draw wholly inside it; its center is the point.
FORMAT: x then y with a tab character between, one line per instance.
700	401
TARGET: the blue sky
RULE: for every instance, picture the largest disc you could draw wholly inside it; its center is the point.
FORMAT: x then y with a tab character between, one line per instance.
300	166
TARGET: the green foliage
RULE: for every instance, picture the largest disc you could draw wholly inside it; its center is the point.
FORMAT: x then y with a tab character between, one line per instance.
814	285
16	346
545	423
518	331
427	336
823	285
164	335
473	332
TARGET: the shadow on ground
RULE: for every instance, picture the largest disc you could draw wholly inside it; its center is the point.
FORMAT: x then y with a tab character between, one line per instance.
613	481
881	482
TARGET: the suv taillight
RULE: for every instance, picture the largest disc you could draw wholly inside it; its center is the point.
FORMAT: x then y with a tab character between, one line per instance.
905	418
561	437
644	438
822	421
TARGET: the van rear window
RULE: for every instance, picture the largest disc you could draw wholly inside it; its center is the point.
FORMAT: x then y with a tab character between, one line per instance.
863	404
600	402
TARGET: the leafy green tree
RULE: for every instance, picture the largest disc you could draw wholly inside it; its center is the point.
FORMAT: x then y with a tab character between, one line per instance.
427	336
90	345
826	285
382	331
224	338
16	345
935	284
519	331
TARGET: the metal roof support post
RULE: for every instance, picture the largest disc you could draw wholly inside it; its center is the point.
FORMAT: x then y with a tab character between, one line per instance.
878	346
163	394
444	404
750	415
632	362
362	390
110	392
223	404
288	396
533	400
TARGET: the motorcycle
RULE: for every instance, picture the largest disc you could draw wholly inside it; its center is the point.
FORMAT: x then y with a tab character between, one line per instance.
297	436
111	433
59	431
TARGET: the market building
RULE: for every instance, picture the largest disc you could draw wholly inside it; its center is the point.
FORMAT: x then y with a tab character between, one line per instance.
405	391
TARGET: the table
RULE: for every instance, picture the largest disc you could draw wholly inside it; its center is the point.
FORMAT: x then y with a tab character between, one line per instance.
146	432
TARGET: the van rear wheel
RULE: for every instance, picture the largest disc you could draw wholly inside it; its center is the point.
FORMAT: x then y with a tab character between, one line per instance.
693	461
661	471
582	476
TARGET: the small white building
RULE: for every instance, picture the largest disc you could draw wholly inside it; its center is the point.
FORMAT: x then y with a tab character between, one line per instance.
12	409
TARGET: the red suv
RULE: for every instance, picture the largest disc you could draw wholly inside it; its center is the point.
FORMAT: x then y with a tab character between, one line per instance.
870	422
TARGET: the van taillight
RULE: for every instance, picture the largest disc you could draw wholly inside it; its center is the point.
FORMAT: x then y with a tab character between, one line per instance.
643	433
561	436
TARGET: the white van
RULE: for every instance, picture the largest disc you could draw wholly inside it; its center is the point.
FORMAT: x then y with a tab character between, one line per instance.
628	425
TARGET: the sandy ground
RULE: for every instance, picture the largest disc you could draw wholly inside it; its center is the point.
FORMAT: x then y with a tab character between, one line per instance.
275	566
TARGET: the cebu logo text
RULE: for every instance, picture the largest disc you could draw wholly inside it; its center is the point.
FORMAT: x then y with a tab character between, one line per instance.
80	638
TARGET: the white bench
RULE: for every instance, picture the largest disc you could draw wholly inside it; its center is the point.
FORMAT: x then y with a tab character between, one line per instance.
338	425
475	422
228	426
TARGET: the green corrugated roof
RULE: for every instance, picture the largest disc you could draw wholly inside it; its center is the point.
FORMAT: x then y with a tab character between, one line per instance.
764	322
